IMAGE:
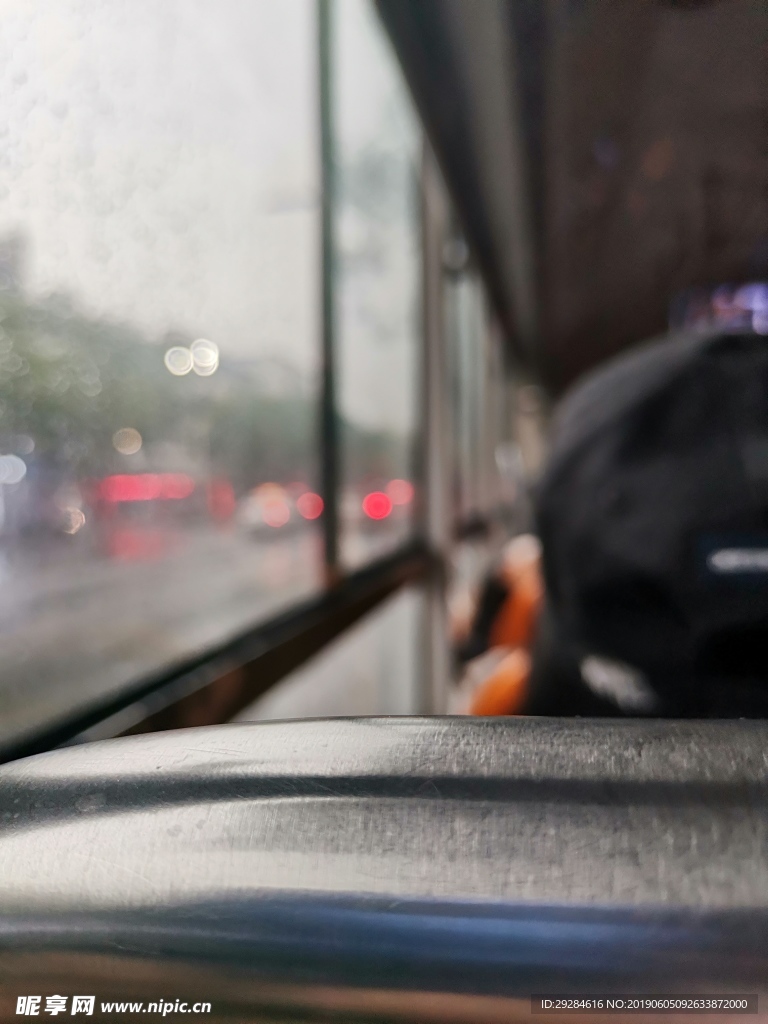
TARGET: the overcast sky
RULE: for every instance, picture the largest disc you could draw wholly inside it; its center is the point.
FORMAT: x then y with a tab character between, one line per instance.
160	158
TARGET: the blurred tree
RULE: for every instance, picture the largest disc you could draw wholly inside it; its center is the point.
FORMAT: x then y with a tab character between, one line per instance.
69	382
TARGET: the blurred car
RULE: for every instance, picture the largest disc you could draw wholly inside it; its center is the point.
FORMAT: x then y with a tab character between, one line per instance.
271	507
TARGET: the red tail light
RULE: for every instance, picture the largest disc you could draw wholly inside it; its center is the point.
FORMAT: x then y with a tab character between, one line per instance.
146	487
377	505
310	505
400	492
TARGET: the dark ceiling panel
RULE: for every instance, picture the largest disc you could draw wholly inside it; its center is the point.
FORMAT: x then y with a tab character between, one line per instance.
656	158
643	132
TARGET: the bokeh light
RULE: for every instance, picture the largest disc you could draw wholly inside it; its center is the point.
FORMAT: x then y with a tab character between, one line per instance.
146	487
377	505
74	520
276	512
400	492
127	441
12	469
178	360
205	357
310	505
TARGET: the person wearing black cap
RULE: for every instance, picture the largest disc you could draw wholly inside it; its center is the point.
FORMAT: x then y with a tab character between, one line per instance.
652	514
653	519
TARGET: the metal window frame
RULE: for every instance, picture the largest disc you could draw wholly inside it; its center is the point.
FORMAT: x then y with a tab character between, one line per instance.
329	420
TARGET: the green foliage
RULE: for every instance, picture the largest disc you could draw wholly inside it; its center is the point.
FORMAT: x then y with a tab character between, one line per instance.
70	381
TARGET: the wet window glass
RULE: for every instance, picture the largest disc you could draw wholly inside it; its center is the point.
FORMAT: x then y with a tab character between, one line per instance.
158	336
377	279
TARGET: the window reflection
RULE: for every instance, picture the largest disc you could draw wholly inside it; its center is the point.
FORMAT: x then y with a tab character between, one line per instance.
378	284
158	335
374	668
484	460
466	338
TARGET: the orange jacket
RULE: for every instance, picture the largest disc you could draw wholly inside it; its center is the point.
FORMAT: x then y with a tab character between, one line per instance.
505	690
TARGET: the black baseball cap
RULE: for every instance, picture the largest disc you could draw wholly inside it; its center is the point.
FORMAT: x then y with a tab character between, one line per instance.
653	517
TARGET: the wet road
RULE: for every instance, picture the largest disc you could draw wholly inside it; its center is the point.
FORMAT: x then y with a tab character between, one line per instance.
76	624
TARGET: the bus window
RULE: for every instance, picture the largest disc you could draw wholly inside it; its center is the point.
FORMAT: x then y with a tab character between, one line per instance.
159	265
378	150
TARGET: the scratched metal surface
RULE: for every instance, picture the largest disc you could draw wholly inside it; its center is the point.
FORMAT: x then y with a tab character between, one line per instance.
478	856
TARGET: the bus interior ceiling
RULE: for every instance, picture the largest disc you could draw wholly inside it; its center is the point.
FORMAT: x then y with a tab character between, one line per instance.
603	157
